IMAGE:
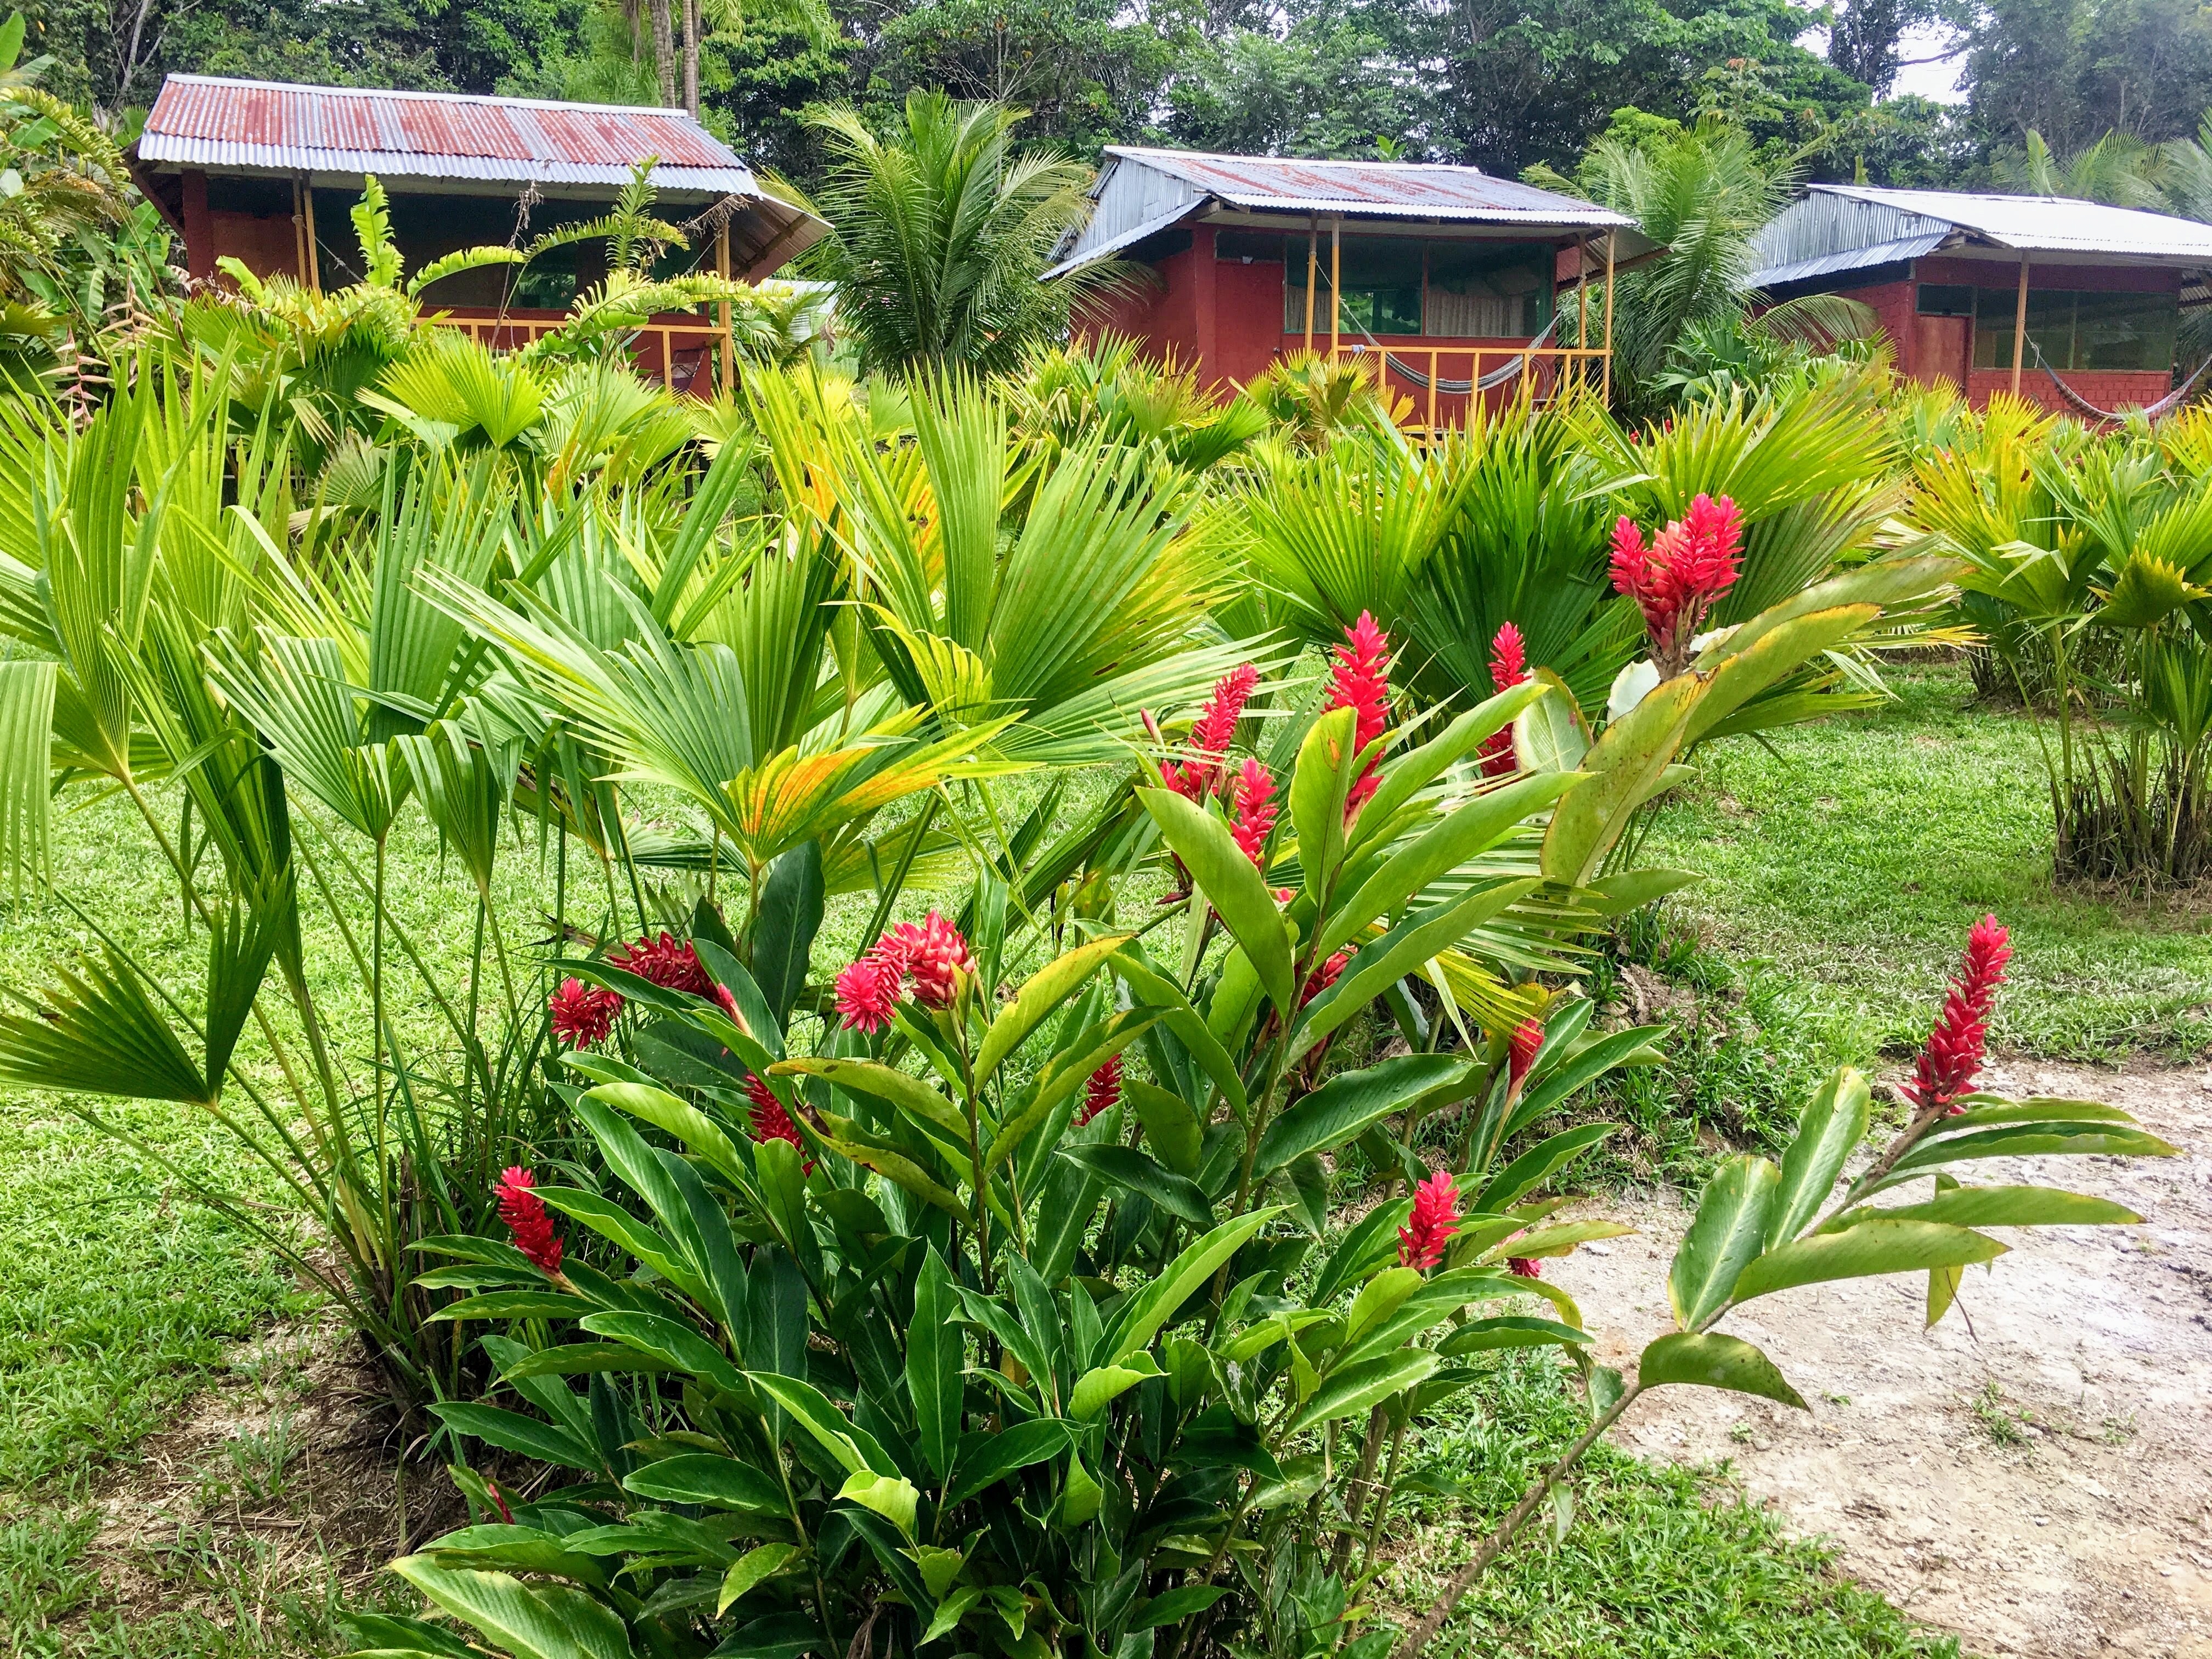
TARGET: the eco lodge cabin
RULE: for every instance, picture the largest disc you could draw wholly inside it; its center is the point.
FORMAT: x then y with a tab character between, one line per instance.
1459	283
268	173
2072	305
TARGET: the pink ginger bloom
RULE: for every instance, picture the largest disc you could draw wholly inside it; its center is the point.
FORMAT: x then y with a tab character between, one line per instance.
1952	1057
671	964
583	1015
1435	1219
1253	798
1509	667
1674	580
867	992
1360	681
1102	1092
923	960
524	1212
1522	1048
771	1120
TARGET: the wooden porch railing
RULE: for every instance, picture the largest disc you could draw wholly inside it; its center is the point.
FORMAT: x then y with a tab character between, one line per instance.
684	355
1419	372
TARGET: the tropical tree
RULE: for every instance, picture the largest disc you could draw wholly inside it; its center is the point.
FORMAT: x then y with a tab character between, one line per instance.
940	233
1702	192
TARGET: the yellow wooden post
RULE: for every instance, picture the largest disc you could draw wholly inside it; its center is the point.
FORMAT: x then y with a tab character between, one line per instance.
1335	293
2019	326
314	259
1432	393
299	236
1313	271
1609	240
729	346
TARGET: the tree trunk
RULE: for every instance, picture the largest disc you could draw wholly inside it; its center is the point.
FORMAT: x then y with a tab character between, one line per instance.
691	58
663	51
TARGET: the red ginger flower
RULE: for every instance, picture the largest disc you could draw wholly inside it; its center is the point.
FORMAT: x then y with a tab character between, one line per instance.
1421	1241
1253	798
1361	682
1102	1093
1522	1267
1948	1066
1323	976
1509	667
771	1119
866	995
1521	1050
924	961
523	1212
583	1014
1674	580
671	964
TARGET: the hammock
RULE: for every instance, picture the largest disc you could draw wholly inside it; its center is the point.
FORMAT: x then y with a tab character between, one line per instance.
2158	411
1496	378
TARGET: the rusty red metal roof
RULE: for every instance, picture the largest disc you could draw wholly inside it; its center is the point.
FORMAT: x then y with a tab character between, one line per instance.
266	126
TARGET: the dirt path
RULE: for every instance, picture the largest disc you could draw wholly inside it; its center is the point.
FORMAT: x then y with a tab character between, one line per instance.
2040	1483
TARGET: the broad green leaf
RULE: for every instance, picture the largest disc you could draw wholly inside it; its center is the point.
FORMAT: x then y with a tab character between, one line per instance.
1713	1361
531	1621
935	1350
516	1304
1508	1331
1369	1241
1170	1126
1173	1607
1151	988
851	1445
848	1140
755	1566
1538	1164
1235	890
892	1495
1063	1075
1140	1172
2007	1207
1081	1497
611	1221
1153	1306
1556	1082
1833	1124
1474	829
1098	1387
908	1093
985	1459
1356	1388
1539	1244
1628	760
664	1338
1416	770
1320	783
717	1482
98	1033
2029	1140
1348	1104
583	1358
1378	1298
1861	1251
1741	675
1632	890
1548	735
1042	992
1726	1234
783	934
1382	962
2149	590
513	1431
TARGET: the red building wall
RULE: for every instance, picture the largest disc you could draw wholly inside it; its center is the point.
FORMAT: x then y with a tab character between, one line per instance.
1932	349
1228	321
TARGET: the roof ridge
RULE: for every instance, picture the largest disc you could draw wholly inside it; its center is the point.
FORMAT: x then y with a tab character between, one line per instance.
1301	161
662	111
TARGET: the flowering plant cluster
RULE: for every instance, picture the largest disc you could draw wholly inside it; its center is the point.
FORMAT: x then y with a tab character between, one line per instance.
925	961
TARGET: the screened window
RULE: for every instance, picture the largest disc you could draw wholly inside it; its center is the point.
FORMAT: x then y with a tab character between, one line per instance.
1946	299
1405	285
2078	329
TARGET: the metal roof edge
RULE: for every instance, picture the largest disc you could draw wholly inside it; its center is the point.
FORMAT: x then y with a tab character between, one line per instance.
1859	259
1113	245
672	110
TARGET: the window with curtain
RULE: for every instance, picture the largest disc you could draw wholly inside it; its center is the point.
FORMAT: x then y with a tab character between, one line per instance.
2078	329
1401	285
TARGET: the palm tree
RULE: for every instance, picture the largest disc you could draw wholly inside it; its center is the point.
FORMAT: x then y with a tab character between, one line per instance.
938	235
1702	193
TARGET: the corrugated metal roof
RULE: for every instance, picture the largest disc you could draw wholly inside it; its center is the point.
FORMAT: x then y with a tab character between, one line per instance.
1857	258
1398	190
205	121
2045	224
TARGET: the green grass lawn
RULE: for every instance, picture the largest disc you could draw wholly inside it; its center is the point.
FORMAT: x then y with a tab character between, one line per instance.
1850	859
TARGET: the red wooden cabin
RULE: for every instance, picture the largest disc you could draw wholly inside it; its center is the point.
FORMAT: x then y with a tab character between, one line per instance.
2072	305
268	173
1460	285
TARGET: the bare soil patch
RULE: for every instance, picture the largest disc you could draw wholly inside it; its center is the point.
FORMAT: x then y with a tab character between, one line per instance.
2036	1476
